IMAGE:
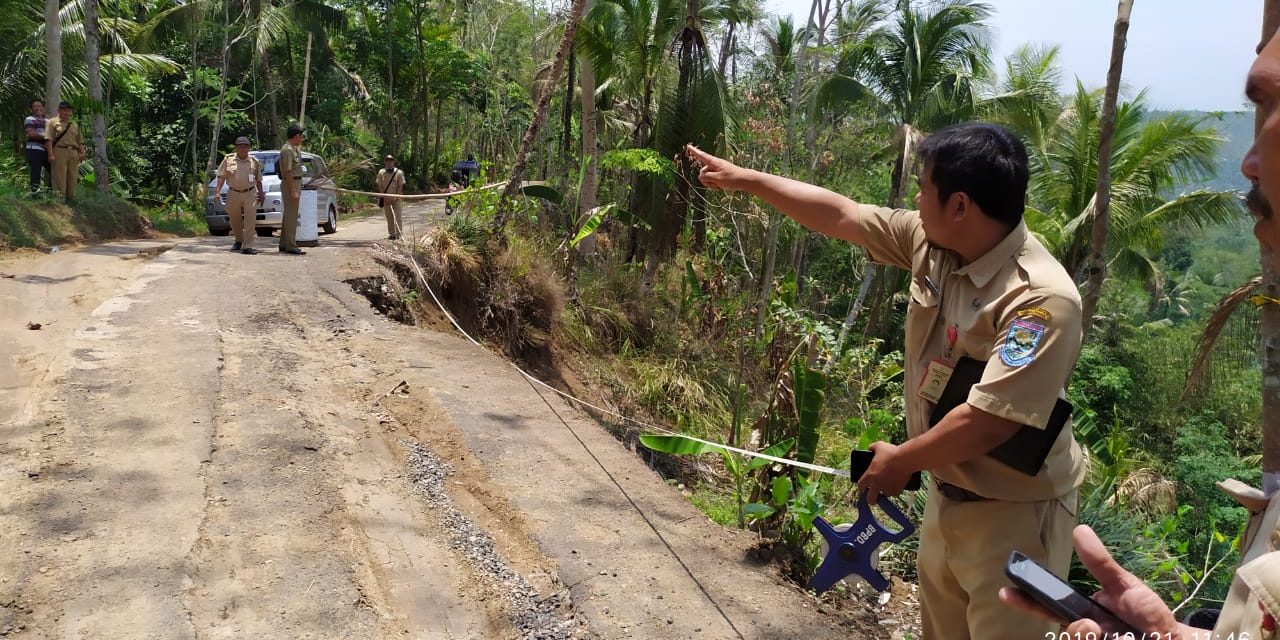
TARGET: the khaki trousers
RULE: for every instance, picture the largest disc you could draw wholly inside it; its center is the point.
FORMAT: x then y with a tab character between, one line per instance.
289	224
65	174
964	547
242	209
392	208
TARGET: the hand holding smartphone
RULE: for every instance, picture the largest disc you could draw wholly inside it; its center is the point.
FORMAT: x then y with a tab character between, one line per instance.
1060	598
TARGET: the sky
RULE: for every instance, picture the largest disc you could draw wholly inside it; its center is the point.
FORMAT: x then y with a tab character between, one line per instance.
1164	53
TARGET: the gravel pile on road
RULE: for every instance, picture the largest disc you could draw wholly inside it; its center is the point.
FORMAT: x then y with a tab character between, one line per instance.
535	617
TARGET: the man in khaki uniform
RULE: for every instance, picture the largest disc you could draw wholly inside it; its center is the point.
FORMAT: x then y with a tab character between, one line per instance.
982	287
66	150
289	166
1252	607
390	180
243	175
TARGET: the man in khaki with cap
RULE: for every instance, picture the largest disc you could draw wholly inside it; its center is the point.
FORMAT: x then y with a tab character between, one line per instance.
391	181
243	175
66	150
982	289
289	166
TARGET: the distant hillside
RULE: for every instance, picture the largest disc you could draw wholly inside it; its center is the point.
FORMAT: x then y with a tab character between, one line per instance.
1237	128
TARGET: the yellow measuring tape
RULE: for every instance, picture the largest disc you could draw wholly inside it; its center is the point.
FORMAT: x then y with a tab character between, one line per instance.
421	196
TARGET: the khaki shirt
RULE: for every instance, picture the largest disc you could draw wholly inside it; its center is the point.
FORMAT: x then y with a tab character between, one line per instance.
1255	590
390	184
1014	308
241	175
290	161
71	140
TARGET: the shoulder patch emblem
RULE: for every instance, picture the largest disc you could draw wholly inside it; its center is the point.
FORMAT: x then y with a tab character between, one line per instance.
1020	343
1035	312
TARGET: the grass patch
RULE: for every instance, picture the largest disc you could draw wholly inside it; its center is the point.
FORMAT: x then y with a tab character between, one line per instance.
32	222
40	222
181	223
718	504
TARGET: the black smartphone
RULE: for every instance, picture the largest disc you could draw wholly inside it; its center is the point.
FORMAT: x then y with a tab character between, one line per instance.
860	461
1054	594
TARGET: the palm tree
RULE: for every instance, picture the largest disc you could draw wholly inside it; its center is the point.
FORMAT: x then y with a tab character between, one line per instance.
781	44
25	66
923	68
1151	155
91	38
630	44
563	53
53	54
1102	200
735	13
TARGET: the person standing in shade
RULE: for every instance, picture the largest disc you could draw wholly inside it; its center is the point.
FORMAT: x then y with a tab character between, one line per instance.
66	150
243	175
37	154
391	182
290	168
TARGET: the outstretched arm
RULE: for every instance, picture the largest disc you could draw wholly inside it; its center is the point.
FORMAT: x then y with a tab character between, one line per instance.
823	211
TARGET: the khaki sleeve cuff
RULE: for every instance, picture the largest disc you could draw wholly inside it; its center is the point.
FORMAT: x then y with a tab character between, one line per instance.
1007	410
1262	575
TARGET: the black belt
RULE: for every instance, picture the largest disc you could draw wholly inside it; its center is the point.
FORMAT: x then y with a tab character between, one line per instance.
244	190
958	494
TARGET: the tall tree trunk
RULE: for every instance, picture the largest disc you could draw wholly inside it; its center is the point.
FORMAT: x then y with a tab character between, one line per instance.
53	56
1270	319
306	78
91	41
726	48
435	152
868	274
810	126
766	278
1102	198
272	139
392	134
677	209
590	147
222	94
799	249
539	116
194	135
795	83
566	118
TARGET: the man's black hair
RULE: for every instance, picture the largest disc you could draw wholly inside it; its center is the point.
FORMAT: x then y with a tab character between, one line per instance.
985	161
34	101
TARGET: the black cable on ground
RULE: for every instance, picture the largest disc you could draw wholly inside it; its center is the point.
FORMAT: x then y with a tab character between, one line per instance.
637	508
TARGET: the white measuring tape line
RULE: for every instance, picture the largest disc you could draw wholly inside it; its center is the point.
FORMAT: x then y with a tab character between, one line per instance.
843	473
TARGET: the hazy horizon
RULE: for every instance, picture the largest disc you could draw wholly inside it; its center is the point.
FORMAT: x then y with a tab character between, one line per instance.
1177	75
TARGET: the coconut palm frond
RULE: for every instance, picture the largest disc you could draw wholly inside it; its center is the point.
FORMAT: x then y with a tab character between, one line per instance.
1213	328
1148	492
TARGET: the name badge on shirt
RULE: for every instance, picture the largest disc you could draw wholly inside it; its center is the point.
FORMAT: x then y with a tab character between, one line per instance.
936	379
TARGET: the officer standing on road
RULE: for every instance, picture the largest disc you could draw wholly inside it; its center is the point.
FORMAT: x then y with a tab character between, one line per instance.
66	150
243	175
391	181
37	153
984	288
289	166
